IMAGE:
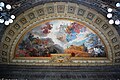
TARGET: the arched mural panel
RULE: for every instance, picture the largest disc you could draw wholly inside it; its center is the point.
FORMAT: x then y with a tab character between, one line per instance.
60	37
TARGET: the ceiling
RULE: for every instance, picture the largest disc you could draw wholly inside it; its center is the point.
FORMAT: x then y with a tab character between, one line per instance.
19	6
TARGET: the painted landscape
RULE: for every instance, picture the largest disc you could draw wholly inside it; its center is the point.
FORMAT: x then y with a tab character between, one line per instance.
61	37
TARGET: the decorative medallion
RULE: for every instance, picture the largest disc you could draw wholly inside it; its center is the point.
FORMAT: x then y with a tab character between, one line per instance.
110	33
4	53
114	40
98	21
23	20
31	15
11	33
105	27
71	9
116	47
17	26
81	12
50	9
4	59
5	46
117	54
40	12
7	39
90	16
117	60
60	8
60	58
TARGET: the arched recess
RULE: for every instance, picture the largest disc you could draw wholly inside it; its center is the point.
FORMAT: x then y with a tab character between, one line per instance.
60	10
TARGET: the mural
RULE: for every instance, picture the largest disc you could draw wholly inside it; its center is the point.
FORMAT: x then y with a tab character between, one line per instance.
60	37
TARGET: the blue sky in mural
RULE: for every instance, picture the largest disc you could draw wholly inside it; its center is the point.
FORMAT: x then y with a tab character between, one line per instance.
76	38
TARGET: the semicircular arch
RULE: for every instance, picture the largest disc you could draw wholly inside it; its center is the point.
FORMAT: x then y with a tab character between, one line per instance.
61	10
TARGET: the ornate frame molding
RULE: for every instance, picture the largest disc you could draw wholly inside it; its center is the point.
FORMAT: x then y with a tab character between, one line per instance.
60	10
